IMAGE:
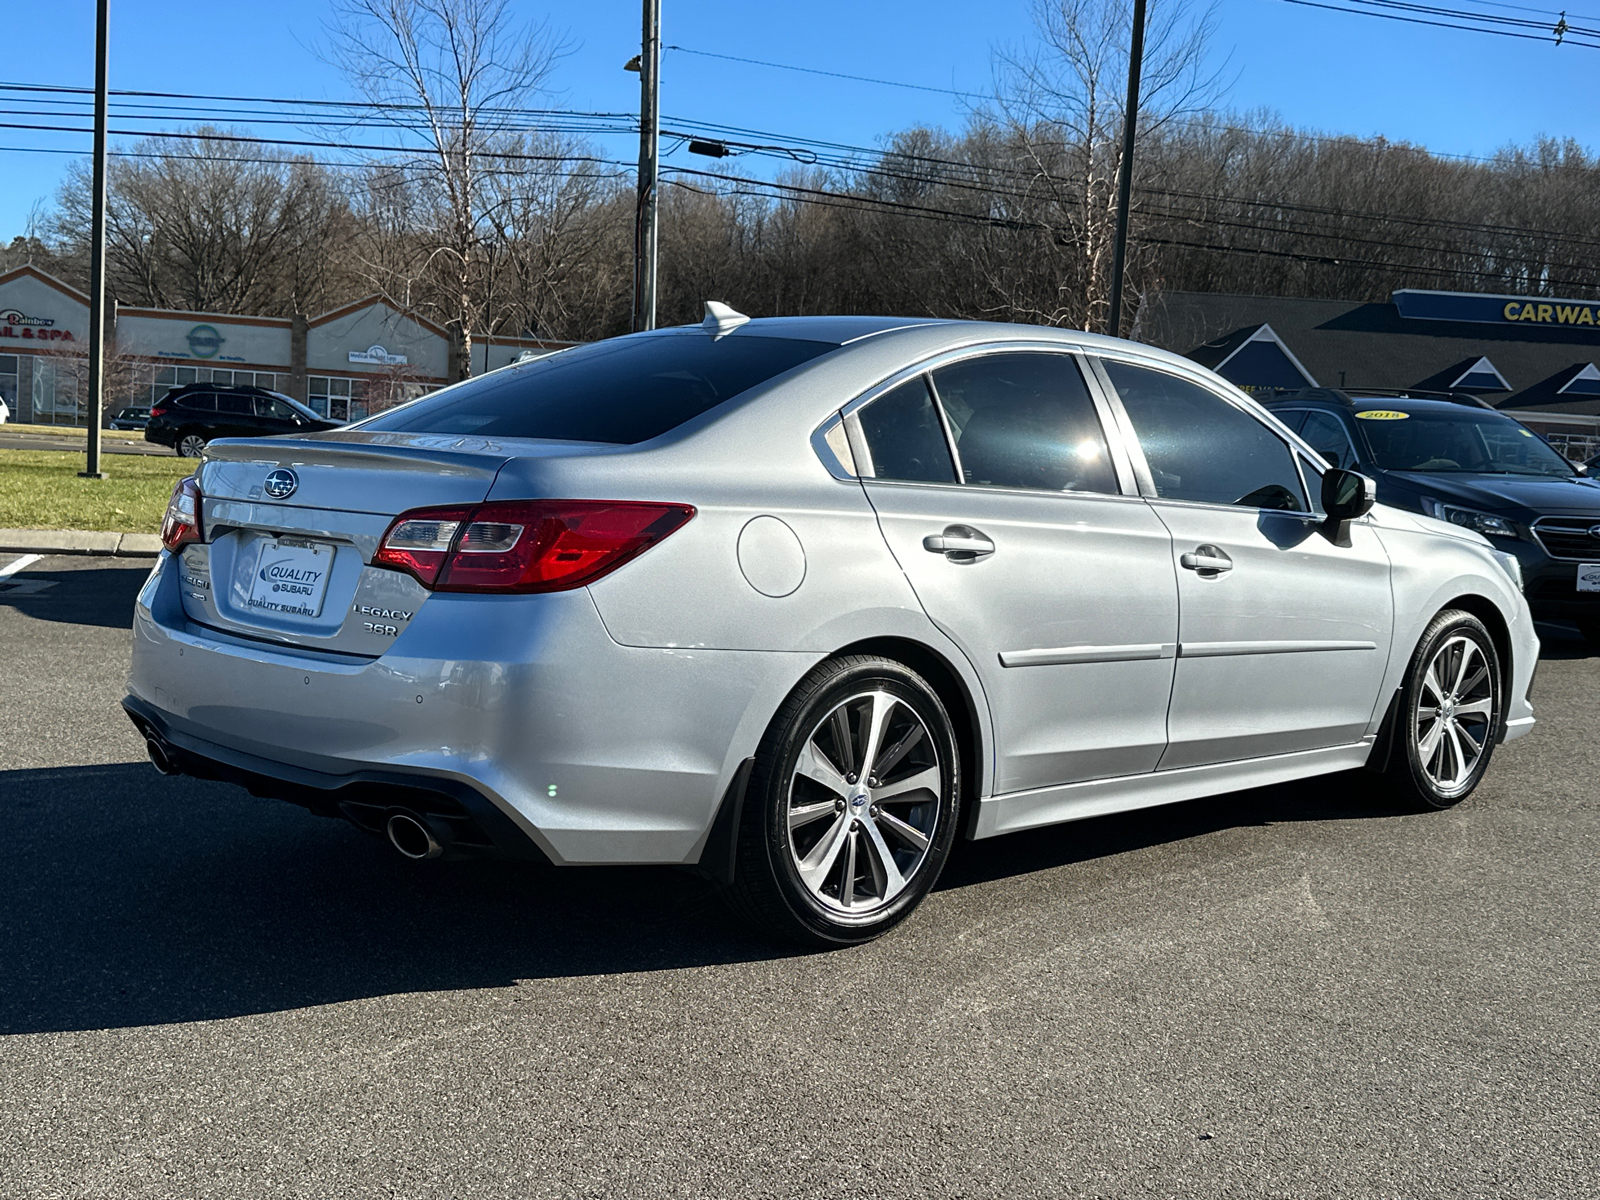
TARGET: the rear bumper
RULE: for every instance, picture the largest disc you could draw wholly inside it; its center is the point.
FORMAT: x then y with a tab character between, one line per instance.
589	751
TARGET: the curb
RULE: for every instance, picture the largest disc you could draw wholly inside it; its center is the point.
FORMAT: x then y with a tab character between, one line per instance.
80	541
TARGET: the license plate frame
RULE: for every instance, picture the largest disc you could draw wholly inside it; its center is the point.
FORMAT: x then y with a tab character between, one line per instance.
1589	577
290	577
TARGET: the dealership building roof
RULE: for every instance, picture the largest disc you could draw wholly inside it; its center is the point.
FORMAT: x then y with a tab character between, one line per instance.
1527	353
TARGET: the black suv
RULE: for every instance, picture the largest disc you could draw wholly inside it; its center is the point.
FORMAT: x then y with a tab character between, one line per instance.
1453	457
187	418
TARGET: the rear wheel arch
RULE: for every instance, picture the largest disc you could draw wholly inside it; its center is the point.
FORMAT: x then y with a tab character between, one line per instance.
952	691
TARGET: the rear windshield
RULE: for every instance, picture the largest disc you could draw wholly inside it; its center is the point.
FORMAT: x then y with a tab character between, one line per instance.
1477	443
625	390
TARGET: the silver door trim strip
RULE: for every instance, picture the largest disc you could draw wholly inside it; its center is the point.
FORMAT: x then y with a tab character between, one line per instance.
1061	655
1224	649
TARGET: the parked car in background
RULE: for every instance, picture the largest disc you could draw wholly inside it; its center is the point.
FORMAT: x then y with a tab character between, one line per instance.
187	418
131	418
1454	458
800	601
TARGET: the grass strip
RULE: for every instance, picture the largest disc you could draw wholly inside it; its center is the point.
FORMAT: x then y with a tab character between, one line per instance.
40	489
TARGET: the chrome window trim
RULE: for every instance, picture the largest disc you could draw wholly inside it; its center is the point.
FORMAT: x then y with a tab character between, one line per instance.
828	454
1029	493
1112	434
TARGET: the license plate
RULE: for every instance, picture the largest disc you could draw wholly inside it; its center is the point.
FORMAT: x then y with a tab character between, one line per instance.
291	577
1589	577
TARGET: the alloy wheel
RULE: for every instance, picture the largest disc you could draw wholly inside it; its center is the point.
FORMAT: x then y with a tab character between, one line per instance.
1455	715
864	803
191	446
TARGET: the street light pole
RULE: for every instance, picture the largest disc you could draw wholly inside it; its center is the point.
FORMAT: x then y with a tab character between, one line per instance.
1130	120
97	246
645	225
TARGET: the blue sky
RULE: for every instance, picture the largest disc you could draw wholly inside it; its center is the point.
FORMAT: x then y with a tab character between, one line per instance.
1451	91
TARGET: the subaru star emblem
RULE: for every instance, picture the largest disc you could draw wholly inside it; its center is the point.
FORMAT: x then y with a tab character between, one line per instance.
281	483
1594	531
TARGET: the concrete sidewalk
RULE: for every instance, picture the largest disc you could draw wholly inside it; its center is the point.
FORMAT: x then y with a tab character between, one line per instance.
80	541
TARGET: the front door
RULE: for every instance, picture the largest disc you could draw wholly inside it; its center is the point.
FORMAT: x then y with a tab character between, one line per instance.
1022	548
1284	633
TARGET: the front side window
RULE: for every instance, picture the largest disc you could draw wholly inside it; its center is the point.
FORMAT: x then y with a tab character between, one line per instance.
623	391
1325	434
1201	447
1025	420
904	436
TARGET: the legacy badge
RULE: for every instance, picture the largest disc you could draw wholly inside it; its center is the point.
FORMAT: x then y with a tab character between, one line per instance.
281	483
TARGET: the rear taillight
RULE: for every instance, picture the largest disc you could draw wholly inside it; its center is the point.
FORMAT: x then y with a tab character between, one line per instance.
524	545
181	525
159	410
419	541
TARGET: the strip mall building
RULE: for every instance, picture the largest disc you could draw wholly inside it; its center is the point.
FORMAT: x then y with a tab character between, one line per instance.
1535	358
369	353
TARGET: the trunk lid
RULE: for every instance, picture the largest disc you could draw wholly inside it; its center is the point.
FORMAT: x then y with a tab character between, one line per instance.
292	524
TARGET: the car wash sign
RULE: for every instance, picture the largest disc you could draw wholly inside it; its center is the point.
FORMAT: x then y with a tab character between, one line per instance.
1523	312
17	324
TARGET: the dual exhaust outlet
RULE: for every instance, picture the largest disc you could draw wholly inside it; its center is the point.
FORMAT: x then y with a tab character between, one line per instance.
412	835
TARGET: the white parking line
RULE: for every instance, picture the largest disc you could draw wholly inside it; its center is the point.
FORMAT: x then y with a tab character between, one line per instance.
27	560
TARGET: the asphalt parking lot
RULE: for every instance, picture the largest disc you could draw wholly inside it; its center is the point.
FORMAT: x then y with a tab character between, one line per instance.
1291	992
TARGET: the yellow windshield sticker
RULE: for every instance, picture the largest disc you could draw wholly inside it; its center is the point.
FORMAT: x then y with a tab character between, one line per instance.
1382	414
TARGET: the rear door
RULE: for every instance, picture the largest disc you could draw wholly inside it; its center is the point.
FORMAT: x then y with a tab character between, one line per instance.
1284	634
1004	508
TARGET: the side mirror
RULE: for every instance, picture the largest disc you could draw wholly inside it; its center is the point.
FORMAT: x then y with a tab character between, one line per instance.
1347	495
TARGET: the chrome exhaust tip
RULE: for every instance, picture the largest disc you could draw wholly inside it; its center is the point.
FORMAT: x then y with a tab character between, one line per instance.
411	836
160	759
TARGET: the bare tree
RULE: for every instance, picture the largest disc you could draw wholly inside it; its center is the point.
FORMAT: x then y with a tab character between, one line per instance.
456	72
208	224
1060	114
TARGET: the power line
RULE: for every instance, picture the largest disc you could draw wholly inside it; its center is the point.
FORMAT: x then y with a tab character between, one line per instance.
1552	39
756	62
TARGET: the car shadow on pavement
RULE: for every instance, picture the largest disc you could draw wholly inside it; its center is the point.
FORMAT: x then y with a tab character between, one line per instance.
101	596
132	899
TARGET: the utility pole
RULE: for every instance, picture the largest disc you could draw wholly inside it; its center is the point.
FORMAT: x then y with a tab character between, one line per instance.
1130	121
644	235
97	246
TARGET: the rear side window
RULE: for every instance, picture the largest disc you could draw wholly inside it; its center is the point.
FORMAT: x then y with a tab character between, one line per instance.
622	391
235	404
200	401
1025	421
1200	447
904	435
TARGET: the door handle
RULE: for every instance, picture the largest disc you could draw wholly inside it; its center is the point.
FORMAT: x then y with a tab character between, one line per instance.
1208	560
959	543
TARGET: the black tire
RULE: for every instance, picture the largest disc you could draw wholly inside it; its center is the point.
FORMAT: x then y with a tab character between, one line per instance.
770	886
190	444
1436	761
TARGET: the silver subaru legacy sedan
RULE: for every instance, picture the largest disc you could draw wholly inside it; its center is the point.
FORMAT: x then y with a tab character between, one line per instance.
799	601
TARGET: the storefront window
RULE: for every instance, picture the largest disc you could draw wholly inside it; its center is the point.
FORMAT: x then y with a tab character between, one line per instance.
55	392
8	382
337	399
